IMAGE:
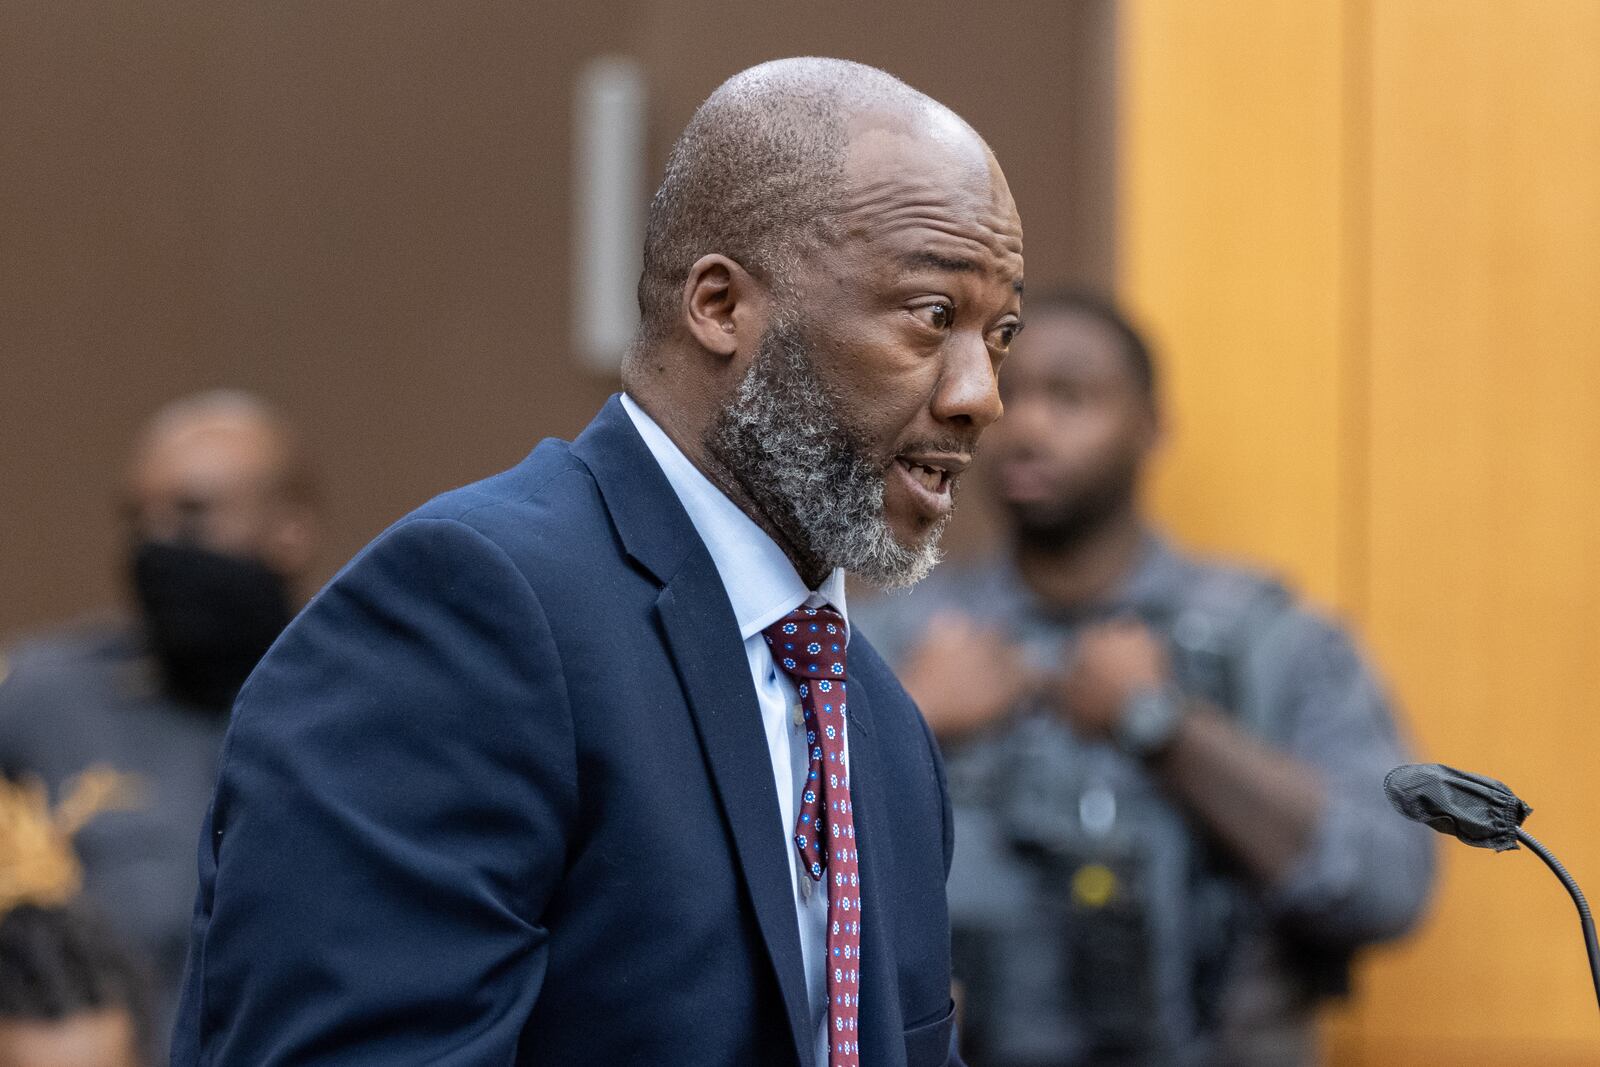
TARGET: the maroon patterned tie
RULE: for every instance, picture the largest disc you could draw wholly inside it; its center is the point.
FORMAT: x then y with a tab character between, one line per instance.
808	645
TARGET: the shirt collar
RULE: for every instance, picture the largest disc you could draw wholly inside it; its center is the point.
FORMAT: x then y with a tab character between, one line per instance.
762	584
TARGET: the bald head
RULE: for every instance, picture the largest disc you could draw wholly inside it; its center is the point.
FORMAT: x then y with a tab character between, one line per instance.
832	275
756	175
223	469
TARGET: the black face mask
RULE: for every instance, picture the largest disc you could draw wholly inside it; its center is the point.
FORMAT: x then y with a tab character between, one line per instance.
209	617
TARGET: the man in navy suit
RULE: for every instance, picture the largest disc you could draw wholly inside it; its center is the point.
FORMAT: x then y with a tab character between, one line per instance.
581	764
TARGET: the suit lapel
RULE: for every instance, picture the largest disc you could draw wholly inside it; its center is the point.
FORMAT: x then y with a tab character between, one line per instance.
883	1037
716	676
703	638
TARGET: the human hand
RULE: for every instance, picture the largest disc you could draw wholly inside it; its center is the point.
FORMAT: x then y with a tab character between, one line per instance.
964	675
1112	661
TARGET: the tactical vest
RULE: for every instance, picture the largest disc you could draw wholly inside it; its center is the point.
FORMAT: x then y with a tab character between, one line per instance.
1093	921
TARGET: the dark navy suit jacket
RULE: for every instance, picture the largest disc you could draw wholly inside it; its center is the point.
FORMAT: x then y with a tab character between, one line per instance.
500	795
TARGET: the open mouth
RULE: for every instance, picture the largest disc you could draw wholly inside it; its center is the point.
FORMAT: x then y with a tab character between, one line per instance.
933	479
929	479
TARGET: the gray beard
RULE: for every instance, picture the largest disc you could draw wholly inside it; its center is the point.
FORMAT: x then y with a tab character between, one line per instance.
782	439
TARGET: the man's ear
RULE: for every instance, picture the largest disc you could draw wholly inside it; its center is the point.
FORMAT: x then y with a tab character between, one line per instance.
724	306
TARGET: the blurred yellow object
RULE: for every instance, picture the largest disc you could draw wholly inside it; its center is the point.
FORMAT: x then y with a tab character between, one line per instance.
1093	885
37	862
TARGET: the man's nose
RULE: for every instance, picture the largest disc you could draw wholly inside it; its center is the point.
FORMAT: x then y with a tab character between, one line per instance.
968	393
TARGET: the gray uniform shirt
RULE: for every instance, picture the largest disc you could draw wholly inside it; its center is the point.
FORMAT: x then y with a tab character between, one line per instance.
1094	920
90	697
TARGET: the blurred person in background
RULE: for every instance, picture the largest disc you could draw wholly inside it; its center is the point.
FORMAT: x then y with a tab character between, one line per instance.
1166	772
221	525
70	994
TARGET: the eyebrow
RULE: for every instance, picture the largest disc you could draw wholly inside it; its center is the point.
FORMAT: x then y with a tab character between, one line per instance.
955	264
938	262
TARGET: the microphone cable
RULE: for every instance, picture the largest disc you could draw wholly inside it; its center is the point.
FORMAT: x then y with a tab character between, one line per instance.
1484	813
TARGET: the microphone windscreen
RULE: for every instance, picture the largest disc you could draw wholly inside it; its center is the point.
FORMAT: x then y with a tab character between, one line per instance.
1480	811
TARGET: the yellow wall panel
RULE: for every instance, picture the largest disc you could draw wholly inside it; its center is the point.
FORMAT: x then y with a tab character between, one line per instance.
1484	586
1230	223
1368	238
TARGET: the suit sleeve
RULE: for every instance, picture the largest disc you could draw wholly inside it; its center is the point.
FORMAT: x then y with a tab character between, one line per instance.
390	819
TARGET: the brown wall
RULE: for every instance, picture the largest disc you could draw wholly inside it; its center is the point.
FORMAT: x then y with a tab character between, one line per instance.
360	210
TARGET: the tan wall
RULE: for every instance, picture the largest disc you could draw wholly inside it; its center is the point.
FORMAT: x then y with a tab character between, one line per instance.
1369	236
360	209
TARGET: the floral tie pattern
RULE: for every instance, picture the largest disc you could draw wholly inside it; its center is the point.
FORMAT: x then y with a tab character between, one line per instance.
808	645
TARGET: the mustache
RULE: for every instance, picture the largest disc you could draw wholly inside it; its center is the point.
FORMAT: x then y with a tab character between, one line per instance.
964	445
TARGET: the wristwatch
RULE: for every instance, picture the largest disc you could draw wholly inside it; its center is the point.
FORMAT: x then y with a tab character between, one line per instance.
1149	722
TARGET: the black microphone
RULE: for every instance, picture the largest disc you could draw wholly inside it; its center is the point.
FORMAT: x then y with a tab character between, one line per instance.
1485	814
